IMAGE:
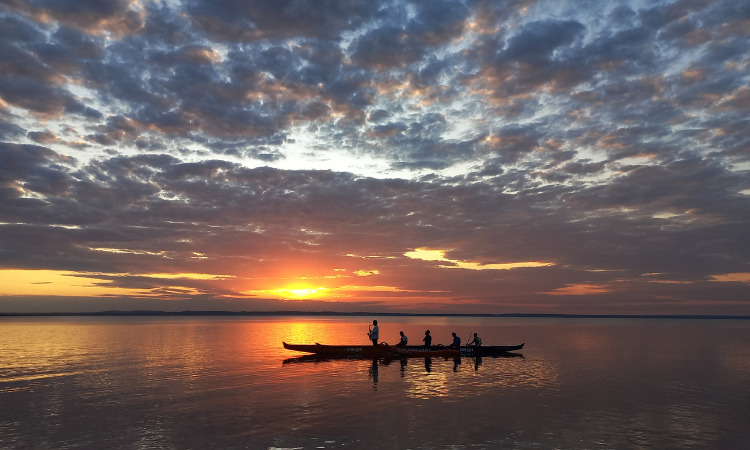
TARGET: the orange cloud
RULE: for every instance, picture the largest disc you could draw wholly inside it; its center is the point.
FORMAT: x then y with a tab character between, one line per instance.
439	255
733	277
579	289
70	284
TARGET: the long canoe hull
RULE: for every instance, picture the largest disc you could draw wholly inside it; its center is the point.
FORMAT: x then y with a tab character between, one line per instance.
372	351
470	350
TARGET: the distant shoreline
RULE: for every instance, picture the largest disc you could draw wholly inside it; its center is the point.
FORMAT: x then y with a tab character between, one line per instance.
146	313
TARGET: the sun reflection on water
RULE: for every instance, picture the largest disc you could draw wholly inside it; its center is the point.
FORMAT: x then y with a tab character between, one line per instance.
173	381
428	383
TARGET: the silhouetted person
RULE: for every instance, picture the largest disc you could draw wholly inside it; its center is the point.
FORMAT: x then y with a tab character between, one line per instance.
404	340
456	342
477	341
427	339
373	333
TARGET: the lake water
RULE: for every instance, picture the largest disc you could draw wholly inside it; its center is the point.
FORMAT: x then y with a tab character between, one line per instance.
226	382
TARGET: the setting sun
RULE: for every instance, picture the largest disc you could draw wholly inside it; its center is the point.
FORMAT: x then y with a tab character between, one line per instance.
295	292
302	293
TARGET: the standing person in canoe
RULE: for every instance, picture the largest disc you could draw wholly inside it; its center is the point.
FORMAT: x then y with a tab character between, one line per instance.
404	340
456	342
477	341
427	339
373	333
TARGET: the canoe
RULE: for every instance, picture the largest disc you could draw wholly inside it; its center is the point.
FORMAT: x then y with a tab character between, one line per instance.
372	351
489	350
484	350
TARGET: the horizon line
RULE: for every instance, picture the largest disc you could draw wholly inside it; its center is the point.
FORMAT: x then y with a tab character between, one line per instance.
145	313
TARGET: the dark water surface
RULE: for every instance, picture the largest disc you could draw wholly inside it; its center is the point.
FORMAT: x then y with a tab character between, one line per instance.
154	382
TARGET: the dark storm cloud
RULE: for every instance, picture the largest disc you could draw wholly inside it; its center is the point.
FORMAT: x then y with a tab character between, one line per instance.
610	141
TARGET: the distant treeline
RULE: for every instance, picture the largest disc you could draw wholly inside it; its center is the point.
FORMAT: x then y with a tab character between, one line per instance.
370	314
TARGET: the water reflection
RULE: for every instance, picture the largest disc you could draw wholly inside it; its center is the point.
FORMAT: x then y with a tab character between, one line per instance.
220	383
428	385
431	377
374	372
321	358
478	359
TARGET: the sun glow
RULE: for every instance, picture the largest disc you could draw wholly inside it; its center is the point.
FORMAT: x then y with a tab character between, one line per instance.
291	292
333	293
303	292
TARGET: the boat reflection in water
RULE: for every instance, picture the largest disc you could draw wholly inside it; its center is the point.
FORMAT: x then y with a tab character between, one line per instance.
403	361
321	358
219	382
478	359
420	378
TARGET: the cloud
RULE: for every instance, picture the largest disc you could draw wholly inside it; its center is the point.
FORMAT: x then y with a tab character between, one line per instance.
271	19
579	289
272	141
93	17
733	277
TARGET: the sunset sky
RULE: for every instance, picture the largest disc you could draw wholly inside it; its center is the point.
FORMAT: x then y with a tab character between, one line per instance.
583	157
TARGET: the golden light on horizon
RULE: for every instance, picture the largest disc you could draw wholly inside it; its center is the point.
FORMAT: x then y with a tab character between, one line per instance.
297	291
58	283
301	293
94	284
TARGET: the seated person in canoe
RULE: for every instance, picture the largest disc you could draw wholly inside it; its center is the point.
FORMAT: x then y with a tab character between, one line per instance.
404	340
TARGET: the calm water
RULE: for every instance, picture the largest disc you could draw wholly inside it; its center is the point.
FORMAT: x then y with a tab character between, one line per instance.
228	383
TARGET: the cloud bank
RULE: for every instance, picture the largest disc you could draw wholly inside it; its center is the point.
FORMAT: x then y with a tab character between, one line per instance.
559	157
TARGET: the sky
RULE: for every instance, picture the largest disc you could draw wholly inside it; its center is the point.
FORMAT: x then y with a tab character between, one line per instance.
491	157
